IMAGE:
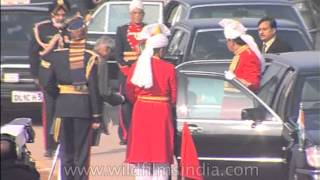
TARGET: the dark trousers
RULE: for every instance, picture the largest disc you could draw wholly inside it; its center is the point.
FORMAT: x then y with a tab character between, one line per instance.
124	120
48	110
125	111
75	148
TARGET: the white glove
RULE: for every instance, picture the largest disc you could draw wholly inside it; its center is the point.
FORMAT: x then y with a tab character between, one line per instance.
229	75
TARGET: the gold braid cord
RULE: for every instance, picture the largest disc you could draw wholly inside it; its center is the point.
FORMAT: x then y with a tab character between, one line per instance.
92	61
47	47
37	35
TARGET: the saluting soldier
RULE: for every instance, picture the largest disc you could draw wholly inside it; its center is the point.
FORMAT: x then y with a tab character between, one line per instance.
127	51
73	71
48	35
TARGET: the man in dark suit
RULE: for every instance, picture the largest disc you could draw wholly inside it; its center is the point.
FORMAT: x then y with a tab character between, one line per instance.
48	35
72	74
271	43
127	51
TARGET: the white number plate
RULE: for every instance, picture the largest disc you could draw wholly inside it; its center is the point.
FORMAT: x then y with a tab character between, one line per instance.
26	96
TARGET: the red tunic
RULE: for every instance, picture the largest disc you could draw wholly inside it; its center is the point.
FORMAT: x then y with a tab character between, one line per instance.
246	65
151	131
132	32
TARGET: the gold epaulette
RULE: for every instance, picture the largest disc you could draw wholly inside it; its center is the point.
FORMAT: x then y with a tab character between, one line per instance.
70	89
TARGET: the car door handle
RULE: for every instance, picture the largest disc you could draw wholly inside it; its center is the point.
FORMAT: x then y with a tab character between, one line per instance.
194	128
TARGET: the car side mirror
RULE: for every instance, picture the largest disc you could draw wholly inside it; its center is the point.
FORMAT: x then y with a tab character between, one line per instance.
256	114
174	59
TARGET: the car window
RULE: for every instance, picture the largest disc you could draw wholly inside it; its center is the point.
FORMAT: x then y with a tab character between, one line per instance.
216	99
239	11
98	23
311	102
270	81
212	44
295	39
286	98
311	93
175	14
209	45
109	17
16	30
307	10
177	43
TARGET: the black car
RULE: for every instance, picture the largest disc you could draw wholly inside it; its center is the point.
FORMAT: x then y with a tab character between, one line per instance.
111	14
203	39
289	80
179	10
237	136
20	95
310	11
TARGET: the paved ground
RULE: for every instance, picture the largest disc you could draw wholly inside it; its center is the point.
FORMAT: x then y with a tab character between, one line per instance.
106	160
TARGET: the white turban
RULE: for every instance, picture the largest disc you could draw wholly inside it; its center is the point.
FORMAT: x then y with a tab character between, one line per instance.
142	75
152	29
135	4
234	29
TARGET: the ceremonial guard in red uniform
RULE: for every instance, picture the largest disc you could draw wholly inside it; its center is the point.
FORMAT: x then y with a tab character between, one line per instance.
246	64
151	87
72	72
48	35
127	51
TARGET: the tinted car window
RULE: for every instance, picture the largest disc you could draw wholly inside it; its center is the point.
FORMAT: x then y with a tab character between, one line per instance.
176	14
212	44
310	93
177	43
311	102
295	39
270	81
16	30
238	11
215	99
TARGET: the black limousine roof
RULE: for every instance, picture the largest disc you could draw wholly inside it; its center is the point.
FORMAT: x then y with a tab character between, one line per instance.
248	2
251	23
301	61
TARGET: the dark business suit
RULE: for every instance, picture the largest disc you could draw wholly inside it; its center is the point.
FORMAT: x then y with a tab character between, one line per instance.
78	109
278	46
